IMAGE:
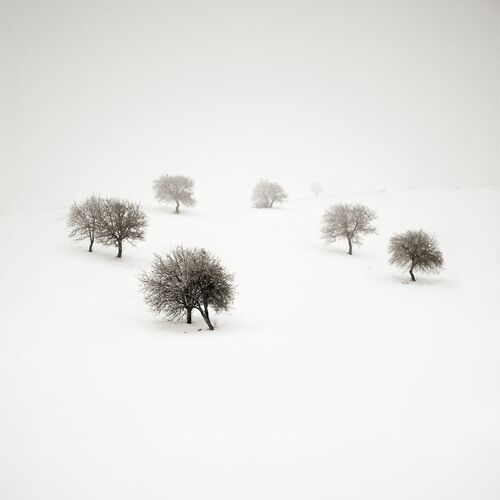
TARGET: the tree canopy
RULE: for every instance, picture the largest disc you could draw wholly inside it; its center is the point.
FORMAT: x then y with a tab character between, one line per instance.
188	279
265	194
416	251
346	221
175	188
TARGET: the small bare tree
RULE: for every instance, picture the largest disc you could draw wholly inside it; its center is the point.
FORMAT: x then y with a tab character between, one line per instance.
350	222
175	188
83	219
119	221
316	188
187	279
416	251
265	194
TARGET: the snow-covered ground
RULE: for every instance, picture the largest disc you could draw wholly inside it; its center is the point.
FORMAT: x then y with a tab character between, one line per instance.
333	377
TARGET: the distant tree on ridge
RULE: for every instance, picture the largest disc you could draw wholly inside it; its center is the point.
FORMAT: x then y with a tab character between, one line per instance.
175	188
265	194
316	189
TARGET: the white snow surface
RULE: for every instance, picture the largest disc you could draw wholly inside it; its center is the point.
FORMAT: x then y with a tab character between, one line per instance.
333	377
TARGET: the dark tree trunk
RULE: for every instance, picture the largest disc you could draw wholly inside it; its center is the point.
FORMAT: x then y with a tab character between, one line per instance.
206	317
350	246
91	244
271	204
119	249
176	207
412	267
188	316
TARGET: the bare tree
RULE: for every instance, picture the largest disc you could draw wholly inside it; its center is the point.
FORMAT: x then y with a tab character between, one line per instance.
350	222
416	251
187	279
265	194
316	188
119	221
175	188
83	219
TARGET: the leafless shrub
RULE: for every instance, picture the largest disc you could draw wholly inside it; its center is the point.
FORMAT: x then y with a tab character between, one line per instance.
416	251
350	222
265	194
187	279
119	221
175	188
83	219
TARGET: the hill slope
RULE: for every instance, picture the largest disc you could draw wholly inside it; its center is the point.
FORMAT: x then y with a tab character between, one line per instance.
333	377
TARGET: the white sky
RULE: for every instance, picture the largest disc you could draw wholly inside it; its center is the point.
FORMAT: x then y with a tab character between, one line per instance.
103	96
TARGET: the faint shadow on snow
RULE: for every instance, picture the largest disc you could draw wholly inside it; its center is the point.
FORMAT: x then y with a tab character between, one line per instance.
395	279
159	325
423	281
169	211
129	260
338	250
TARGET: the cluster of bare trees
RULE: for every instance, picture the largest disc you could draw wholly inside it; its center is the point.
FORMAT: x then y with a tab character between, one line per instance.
412	250
179	190
193	279
107	221
179	282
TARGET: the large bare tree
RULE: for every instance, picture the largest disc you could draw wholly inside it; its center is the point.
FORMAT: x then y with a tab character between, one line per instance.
120	221
188	279
416	251
350	222
175	188
265	194
83	219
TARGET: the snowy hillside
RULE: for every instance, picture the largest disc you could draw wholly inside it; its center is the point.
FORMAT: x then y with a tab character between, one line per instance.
332	377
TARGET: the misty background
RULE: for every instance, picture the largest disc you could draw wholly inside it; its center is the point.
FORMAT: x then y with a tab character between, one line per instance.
104	96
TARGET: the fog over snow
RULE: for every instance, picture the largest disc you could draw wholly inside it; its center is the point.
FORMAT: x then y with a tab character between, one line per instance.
104	96
333	376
